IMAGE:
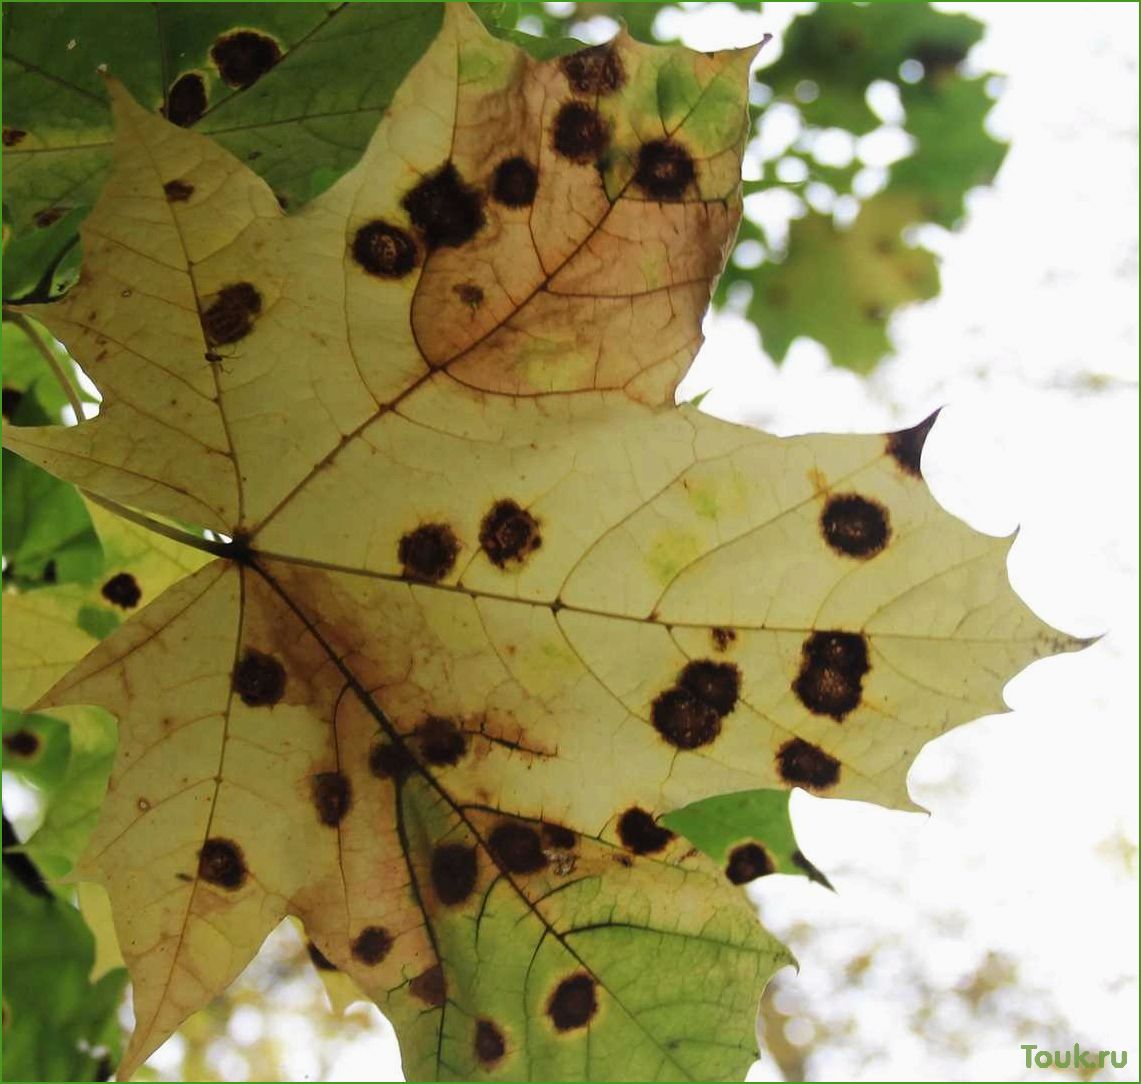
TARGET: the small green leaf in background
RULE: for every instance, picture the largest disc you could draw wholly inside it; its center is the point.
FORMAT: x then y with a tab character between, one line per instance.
749	834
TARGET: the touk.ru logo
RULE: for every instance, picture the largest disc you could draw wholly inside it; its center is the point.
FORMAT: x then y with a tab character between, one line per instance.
1077	1058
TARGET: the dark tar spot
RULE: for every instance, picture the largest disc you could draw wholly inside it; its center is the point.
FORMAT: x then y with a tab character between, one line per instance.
385	250
429	986
804	764
453	872
683	720
489	1042
230	316
332	796
48	216
580	133
855	526
14	136
122	590
220	863
441	741
517	848
243	57
597	70
558	838
429	552
12	399
22	743
515	182
186	100
748	862
259	679
509	534
573	1003
470	294
371	945
389	760
640	833
178	191
832	668
445	209
665	169
722	638
717	684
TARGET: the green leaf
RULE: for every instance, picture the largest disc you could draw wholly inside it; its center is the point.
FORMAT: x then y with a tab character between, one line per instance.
748	834
840	286
58	1025
36	748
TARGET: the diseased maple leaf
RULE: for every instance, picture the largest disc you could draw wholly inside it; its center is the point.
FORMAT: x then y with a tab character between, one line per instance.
493	604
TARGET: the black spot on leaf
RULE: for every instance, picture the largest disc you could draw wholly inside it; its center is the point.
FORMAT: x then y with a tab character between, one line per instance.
220	863
332	797
429	986
664	170
558	838
802	763
597	70
508	534
855	526
14	136
244	56
12	399
385	250
832	668
429	552
573	1003
389	760
51	573
748	862
259	679
441	741
178	191
717	684
683	720
489	1043
453	872
515	182
48	216
580	133
320	960
22	743
230	316
122	590
445	209
640	833
371	945
517	848
906	446
722	638
470	294
186	100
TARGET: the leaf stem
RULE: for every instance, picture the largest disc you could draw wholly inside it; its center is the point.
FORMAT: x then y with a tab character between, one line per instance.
68	386
175	534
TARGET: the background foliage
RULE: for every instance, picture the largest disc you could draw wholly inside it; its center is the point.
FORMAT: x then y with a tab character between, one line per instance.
849	259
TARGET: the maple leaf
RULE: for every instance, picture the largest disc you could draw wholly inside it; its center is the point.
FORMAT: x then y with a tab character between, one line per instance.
493	605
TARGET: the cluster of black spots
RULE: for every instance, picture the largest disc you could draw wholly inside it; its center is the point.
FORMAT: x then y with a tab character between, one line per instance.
230	316
690	714
371	945
122	590
517	848
177	191
453	872
747	862
320	961
220	863
580	133
906	446
597	70
515	182
22	743
12	137
640	833
558	838
490	1045
509	534
664	170
48	216
390	760
832	669
385	250
441	741
803	764
13	397
429	552
332	796
855	526
430	986
574	1002
259	679
185	100
447	210
243	57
